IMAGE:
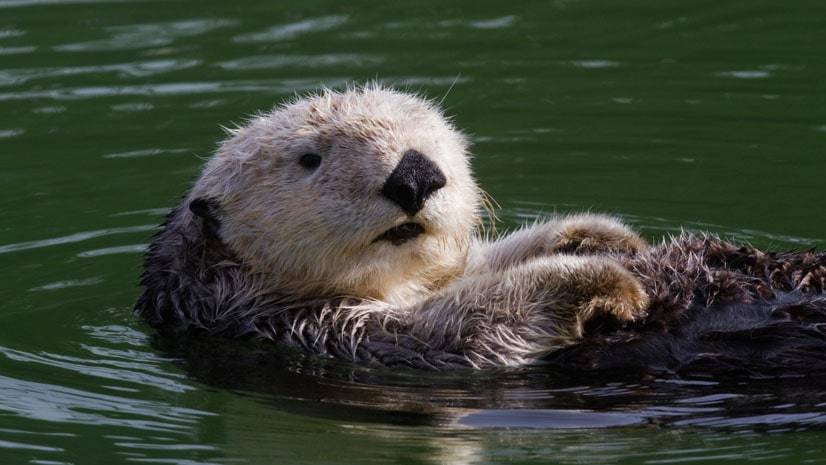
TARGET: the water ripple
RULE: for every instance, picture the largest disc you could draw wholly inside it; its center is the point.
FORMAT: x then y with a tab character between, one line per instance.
492	23
500	22
745	74
6	133
52	403
132	248
117	334
17	50
10	77
150	446
77	237
144	153
49	110
133	107
300	61
135	36
426	80
66	284
23	446
6	33
557	419
148	211
293	30
24	3
808	418
171	461
177	88
149	360
133	372
595	64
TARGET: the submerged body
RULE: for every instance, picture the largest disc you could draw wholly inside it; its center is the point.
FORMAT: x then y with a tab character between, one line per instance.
715	307
346	224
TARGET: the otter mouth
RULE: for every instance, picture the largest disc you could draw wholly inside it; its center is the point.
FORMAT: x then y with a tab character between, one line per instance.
401	233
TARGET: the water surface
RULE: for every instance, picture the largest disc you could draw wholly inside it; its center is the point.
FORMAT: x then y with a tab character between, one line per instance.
701	115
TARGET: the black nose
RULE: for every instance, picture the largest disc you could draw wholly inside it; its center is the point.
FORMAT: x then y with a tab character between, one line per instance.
412	182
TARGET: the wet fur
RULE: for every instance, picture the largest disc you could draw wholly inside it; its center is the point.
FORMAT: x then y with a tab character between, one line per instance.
246	255
717	309
193	283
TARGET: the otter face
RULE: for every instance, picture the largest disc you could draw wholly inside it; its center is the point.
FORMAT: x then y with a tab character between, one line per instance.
366	192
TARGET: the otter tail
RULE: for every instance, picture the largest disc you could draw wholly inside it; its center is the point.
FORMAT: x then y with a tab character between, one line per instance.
785	336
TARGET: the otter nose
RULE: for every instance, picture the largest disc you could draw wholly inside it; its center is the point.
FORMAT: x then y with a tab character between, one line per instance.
413	180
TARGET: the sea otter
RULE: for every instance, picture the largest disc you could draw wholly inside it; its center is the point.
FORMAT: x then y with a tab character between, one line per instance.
347	223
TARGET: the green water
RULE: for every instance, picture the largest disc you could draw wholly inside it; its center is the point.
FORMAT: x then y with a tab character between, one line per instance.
706	115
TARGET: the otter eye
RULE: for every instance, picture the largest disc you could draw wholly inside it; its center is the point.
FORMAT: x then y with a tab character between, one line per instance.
310	161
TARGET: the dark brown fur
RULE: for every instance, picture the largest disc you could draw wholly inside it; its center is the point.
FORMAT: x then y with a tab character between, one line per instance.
715	307
193	284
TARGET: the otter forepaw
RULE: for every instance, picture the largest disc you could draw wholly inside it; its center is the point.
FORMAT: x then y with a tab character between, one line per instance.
626	308
593	234
618	294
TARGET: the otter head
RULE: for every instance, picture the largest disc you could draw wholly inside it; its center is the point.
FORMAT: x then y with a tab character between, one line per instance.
366	192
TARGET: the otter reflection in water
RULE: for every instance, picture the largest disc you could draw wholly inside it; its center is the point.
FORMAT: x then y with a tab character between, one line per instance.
348	224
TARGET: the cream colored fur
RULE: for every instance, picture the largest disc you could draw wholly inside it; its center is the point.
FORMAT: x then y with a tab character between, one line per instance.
314	231
312	234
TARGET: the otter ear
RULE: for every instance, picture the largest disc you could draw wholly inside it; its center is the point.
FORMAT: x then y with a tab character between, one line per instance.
208	210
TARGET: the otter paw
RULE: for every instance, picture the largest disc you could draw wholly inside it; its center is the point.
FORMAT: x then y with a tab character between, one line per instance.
620	295
593	234
624	308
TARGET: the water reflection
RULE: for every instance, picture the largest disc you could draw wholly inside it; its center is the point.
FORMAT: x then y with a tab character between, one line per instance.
133	107
299	61
500	22
138	368
745	74
108	400
77	237
17	50
49	109
5	33
136	36
25	3
147	211
11	77
549	418
67	283
171	89
292	30
533	397
145	153
7	133
53	403
670	114
595	64
132	248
